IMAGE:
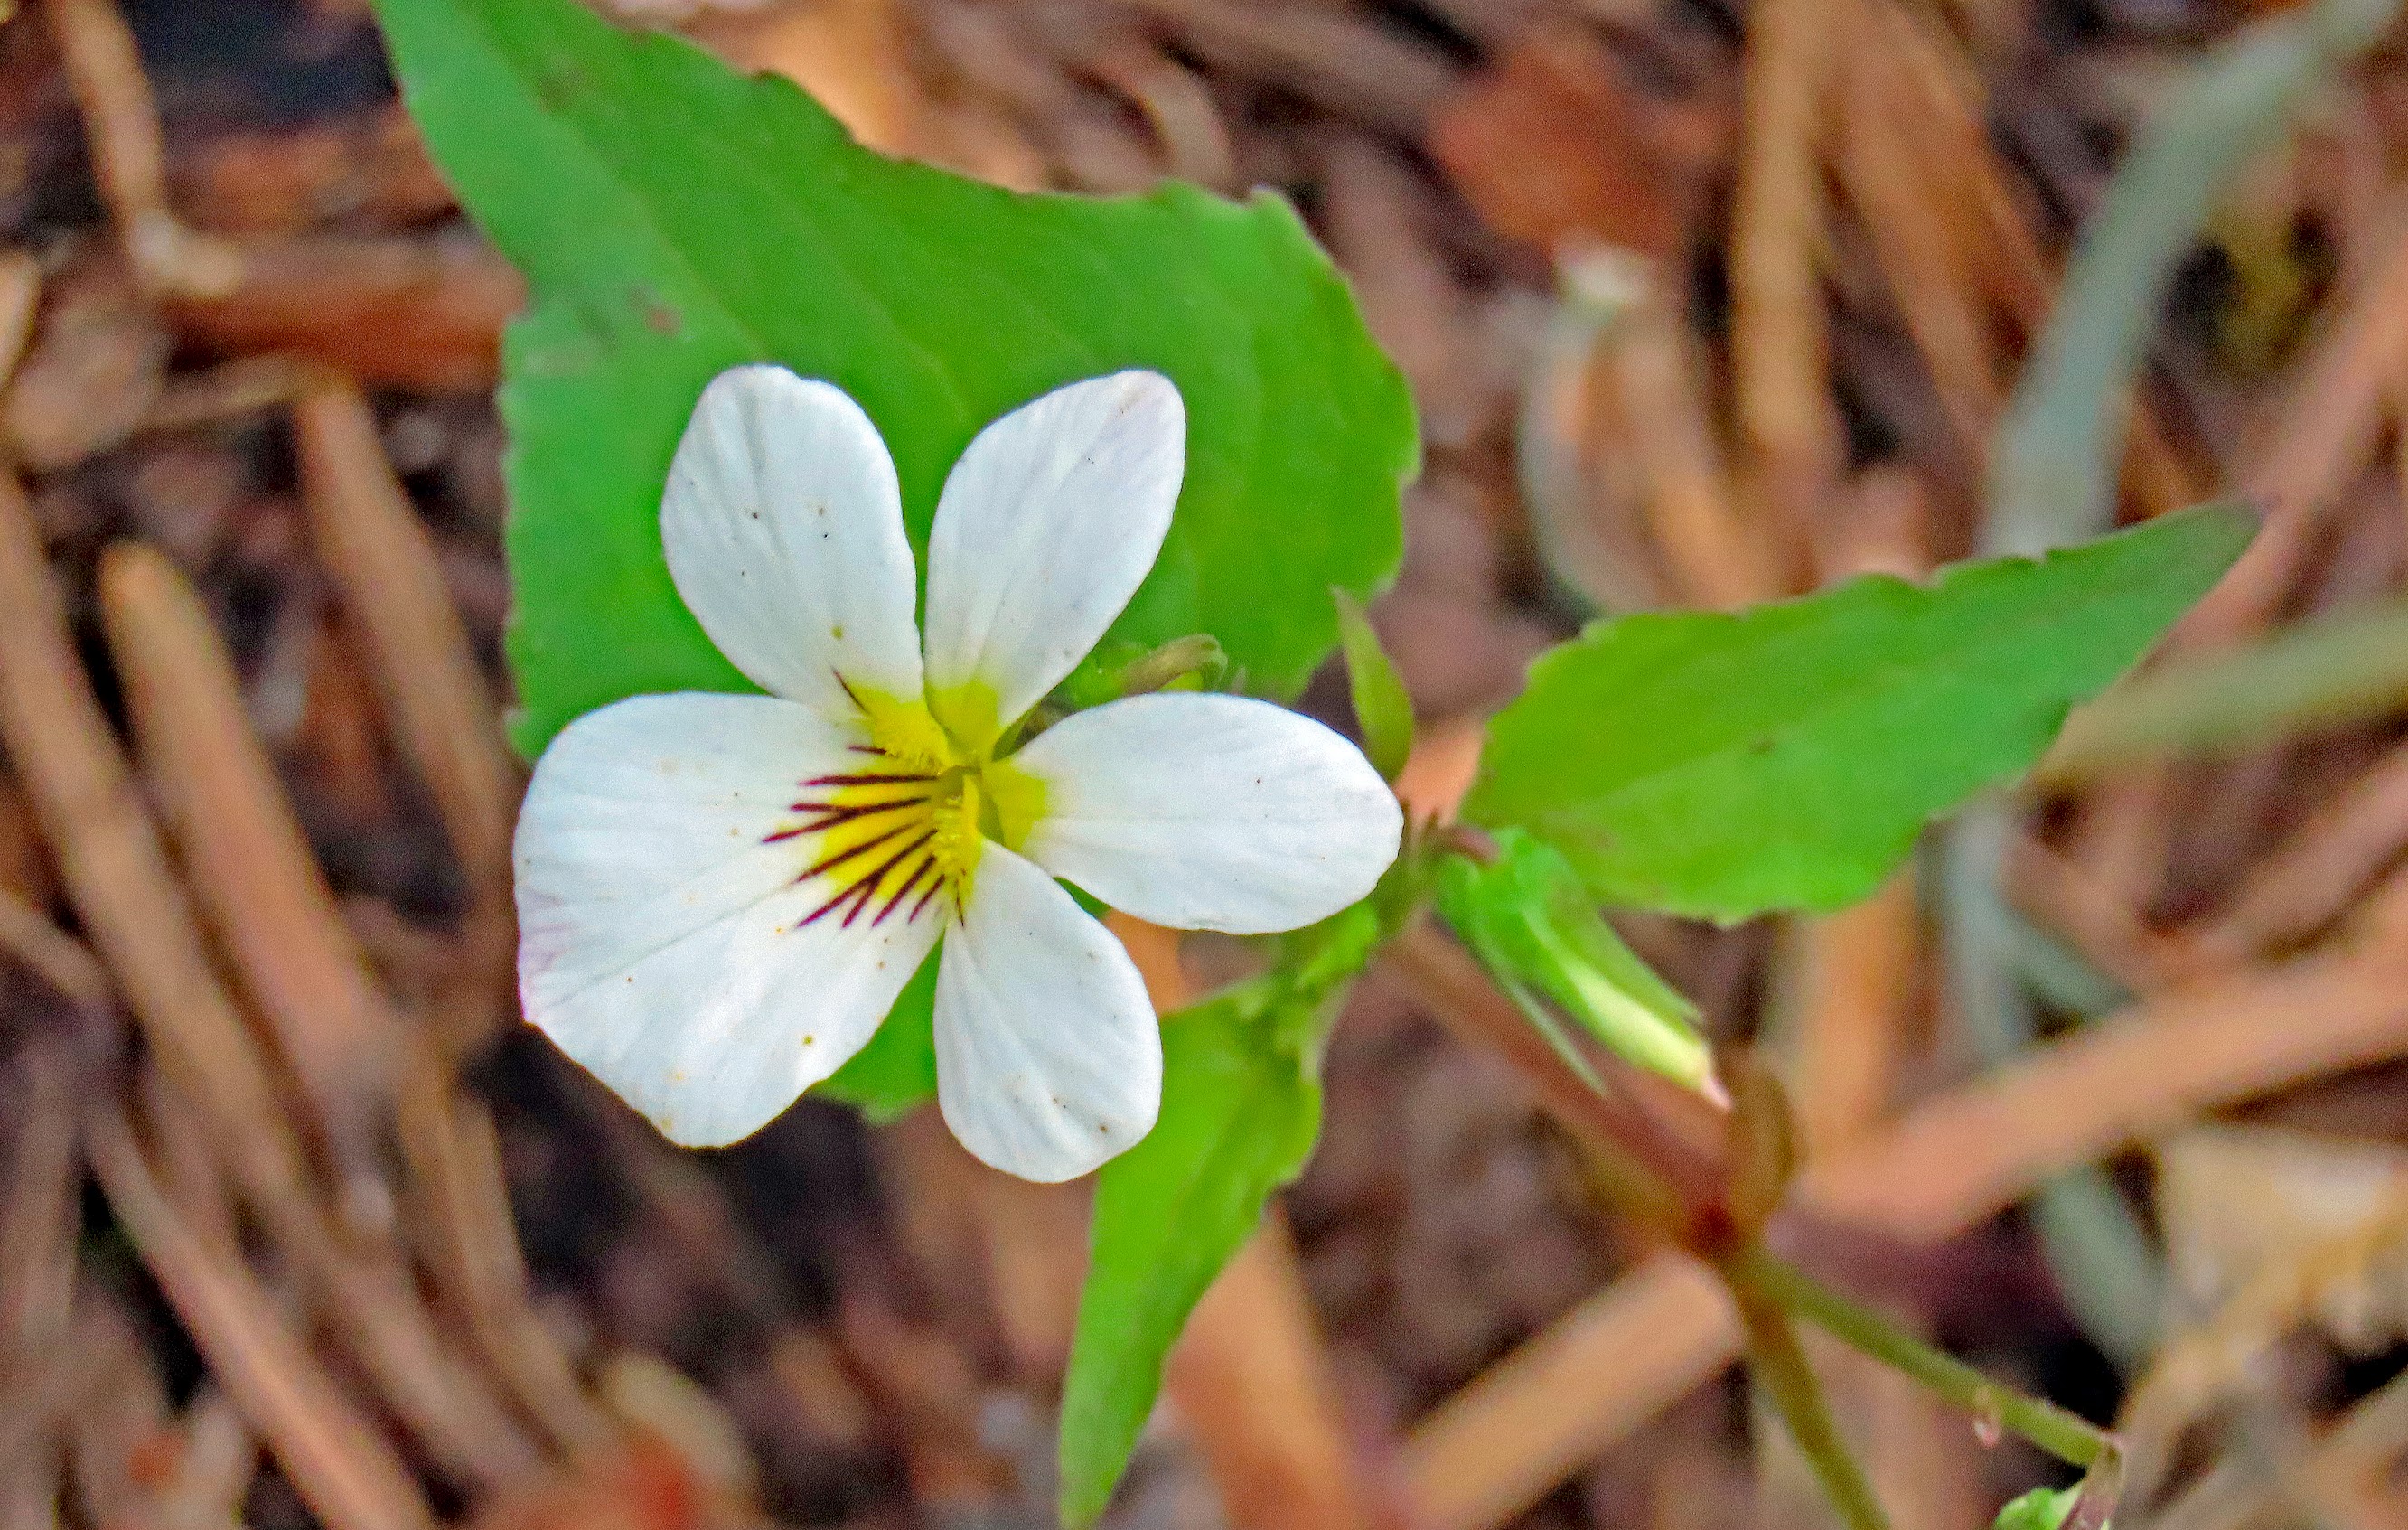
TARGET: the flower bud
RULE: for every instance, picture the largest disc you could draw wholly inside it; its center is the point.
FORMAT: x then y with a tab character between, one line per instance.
1537	930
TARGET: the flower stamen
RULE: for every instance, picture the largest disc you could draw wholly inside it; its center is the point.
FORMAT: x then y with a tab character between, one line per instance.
882	836
958	843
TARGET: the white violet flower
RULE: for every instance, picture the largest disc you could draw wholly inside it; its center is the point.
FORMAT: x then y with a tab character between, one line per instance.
719	895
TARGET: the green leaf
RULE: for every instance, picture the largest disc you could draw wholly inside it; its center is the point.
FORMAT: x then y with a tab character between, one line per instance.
2041	1509
1239	1113
1721	765
674	220
1382	708
1240	1108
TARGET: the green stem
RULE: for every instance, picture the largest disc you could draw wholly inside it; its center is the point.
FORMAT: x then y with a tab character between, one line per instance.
1778	1362
2065	1435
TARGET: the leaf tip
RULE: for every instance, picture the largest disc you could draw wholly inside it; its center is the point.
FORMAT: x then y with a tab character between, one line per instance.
1077	1506
2239	520
2215	532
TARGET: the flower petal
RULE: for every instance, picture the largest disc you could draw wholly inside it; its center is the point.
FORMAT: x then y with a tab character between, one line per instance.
1209	813
1046	526
658	939
1049	1059
784	528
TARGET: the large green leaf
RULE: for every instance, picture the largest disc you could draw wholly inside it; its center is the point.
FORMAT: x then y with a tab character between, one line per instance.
1785	757
675	219
1240	1108
1239	1117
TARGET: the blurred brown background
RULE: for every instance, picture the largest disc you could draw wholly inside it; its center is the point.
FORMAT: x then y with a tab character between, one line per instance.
1701	306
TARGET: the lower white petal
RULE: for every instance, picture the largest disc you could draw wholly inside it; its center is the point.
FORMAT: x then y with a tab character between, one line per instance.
661	941
1049	1058
1211	812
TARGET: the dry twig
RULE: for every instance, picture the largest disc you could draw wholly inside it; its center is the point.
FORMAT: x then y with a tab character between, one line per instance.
247	861
384	564
404	312
1251	1378
1947	1165
20	287
1780	348
118	875
2323	434
1893	179
121	122
463	1209
57	958
1651	375
1589	1378
342	1470
1854	974
1251	1373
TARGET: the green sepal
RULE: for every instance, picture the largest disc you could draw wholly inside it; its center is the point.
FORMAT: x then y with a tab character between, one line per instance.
1527	917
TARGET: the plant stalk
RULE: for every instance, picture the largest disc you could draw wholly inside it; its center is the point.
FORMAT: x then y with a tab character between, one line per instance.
2065	1435
1779	1365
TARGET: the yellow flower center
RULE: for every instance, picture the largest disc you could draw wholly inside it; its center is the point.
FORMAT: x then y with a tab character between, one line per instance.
902	835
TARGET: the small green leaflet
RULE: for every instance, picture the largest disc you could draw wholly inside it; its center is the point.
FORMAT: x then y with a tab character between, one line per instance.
1532	924
1241	1109
1382	708
2041	1509
674	220
1785	757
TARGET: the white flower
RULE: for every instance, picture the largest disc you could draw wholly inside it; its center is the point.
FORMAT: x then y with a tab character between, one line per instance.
719	895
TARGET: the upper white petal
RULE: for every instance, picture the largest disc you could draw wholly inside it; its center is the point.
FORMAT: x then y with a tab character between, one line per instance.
657	931
1211	812
1046	526
1049	1059
784	528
